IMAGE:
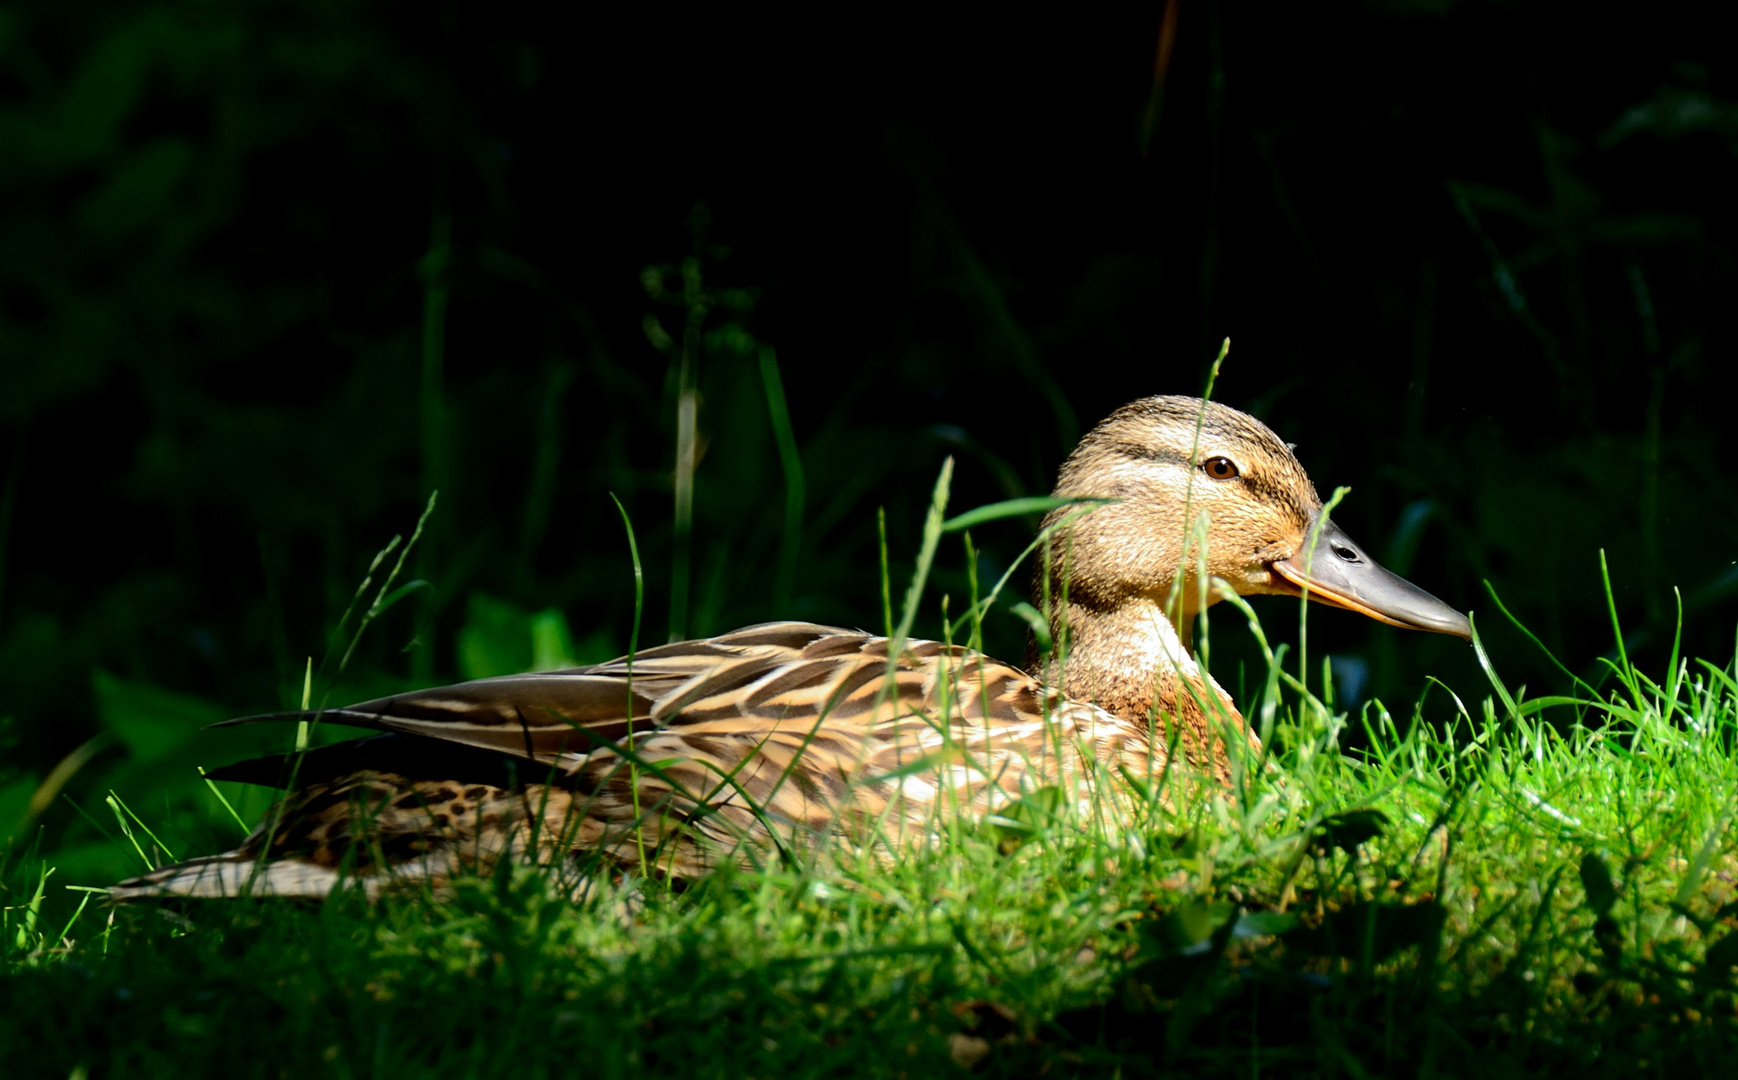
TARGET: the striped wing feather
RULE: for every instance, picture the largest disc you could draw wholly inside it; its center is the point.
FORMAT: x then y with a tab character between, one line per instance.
739	743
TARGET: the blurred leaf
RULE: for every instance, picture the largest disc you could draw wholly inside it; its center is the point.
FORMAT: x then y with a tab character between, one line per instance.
139	191
1596	880
1642	229
501	638
551	641
926	763
396	595
1610	939
1254	924
1188	928
1190	940
495	640
14	797
1386	928
149	720
596	647
97	101
1674	113
1186	846
1350	830
1024	818
94	862
1040	627
1722	956
730	338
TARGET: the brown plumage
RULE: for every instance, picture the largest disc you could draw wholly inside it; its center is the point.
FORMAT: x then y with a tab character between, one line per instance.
754	744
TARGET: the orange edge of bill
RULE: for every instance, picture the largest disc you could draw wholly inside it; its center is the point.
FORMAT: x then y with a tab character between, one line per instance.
1321	594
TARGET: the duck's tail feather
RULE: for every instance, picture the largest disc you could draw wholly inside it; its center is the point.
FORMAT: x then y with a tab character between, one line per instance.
232	874
411	756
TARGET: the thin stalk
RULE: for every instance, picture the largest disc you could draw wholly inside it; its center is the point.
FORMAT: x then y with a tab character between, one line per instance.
1303	611
127	831
384	598
687	447
792	464
886	574
33	909
932	524
212	784
60	940
1043	537
307	695
1174	600
634	647
1627	673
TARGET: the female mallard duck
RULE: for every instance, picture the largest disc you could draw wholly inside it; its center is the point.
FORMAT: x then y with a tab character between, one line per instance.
744	743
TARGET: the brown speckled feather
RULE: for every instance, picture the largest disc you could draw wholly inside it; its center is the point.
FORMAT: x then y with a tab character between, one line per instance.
742	745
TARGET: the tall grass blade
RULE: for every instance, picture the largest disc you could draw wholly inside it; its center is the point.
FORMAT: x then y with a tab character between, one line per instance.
932	524
212	784
301	725
886	573
1625	671
1009	508
792	464
634	647
1176	594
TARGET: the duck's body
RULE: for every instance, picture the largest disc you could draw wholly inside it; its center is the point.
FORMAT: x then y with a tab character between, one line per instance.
740	744
749	744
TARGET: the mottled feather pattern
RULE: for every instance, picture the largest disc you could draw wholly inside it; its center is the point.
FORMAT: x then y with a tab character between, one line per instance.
736	746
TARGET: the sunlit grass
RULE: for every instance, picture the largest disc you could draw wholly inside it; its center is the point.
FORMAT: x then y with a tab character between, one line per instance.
1537	884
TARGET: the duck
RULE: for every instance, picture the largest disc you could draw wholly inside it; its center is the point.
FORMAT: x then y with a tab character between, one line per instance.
754	745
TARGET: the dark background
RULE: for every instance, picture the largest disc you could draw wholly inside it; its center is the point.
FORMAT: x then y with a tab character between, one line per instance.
1476	260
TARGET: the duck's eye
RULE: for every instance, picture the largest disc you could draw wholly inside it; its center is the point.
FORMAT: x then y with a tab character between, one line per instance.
1220	468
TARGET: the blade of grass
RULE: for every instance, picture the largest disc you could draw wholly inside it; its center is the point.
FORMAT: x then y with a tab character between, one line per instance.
634	647
1176	595
127	831
886	575
1044	535
212	784
381	600
1008	508
60	939
1625	672
33	908
1507	614
1485	665
932	523
301	725
1303	614
792	464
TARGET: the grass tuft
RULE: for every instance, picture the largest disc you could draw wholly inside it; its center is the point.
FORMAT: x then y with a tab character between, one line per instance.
1525	885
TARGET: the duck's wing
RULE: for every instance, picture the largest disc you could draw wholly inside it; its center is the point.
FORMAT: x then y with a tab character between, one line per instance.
698	748
760	678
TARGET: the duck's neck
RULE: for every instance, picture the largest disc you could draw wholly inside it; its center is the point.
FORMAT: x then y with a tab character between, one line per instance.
1130	660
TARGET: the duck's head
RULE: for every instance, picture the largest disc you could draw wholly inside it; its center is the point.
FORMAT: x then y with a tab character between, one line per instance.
1166	461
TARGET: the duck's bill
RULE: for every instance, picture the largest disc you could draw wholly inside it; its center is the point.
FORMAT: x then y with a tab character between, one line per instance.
1338	572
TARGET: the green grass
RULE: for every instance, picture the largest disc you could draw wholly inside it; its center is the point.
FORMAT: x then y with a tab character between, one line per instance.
1529	885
